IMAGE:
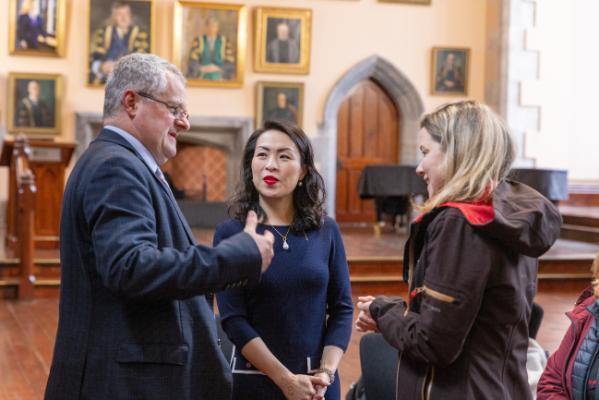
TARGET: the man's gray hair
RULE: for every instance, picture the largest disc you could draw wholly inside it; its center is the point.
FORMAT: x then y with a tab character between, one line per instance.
140	73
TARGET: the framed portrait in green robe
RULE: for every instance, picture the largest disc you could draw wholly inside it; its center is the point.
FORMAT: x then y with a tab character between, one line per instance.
209	43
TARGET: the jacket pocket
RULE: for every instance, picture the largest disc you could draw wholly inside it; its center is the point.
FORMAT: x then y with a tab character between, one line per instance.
156	353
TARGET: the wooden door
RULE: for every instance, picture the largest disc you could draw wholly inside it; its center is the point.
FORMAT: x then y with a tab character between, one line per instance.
367	133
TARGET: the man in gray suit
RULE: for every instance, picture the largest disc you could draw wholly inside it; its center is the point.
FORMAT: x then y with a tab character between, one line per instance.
134	321
283	48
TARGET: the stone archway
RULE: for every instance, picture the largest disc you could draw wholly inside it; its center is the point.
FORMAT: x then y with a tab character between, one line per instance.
402	92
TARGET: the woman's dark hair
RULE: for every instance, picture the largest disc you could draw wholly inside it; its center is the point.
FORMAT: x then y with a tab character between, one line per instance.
308	199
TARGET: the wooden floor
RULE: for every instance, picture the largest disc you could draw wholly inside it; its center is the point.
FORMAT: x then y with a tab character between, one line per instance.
359	241
27	329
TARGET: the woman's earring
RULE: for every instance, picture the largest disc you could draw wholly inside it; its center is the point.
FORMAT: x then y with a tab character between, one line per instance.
300	184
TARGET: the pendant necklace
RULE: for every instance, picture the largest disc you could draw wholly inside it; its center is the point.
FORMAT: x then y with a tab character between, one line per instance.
284	237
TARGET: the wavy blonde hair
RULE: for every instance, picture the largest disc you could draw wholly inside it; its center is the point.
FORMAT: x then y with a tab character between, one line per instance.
478	150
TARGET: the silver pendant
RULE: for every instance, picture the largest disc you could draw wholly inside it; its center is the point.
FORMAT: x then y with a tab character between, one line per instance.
285	245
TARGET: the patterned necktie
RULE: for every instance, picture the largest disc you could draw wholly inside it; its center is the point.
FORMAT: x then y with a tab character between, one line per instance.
160	176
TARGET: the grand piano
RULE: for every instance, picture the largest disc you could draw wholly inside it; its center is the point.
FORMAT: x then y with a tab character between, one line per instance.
393	186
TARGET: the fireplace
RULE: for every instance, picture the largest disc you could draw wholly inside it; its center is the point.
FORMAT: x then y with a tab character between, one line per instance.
198	172
206	167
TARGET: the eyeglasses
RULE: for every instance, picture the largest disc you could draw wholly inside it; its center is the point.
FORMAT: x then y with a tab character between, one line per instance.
176	110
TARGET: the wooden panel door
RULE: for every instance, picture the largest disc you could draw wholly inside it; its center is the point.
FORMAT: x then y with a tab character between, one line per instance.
367	133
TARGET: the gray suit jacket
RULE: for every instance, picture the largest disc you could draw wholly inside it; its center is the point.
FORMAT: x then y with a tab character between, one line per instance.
273	54
132	323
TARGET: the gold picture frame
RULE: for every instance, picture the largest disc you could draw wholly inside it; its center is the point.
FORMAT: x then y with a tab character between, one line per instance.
209	43
450	71
34	102
137	18
279	101
418	2
283	40
36	32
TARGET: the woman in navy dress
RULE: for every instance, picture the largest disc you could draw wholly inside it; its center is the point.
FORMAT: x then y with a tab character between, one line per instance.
291	330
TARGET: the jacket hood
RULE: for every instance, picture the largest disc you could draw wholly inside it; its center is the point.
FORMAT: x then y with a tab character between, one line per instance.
518	216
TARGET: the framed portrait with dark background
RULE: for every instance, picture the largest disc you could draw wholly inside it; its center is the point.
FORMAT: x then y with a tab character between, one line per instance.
283	39
117	28
279	101
449	74
209	42
37	27
34	103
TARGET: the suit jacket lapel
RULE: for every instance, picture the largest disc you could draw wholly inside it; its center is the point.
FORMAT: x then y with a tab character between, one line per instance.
108	135
173	202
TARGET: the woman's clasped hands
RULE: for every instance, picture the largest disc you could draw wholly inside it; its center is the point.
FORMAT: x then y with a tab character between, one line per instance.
305	387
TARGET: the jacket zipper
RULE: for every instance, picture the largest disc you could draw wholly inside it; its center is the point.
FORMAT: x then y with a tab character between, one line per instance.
428	383
410	273
435	294
572	348
588	373
397	376
438	295
429	389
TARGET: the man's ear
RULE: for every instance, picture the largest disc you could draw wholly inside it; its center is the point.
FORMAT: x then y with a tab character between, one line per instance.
130	103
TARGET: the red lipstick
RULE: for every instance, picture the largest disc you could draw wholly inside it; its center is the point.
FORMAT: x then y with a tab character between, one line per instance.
270	180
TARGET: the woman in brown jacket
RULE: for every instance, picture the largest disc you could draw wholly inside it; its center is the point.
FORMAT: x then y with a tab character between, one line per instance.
471	264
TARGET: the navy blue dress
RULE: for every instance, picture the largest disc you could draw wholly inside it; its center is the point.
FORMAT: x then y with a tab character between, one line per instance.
301	304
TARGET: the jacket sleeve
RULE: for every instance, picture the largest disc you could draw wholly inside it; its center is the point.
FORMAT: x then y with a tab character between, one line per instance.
550	386
121	215
458	263
232	305
339	300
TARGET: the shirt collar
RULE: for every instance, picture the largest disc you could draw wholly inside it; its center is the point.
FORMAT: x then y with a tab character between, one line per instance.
145	154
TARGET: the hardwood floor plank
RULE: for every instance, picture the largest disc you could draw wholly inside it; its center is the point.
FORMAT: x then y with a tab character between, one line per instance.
27	344
28	329
13	380
31	323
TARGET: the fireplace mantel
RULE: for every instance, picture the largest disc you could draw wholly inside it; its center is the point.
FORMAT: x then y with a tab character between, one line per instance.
226	133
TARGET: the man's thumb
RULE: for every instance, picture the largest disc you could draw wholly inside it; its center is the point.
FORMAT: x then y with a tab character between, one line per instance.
251	221
268	235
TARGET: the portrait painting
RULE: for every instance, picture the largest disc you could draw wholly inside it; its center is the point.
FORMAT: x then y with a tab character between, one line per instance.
37	27
117	28
209	42
280	101
34	103
283	38
450	71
